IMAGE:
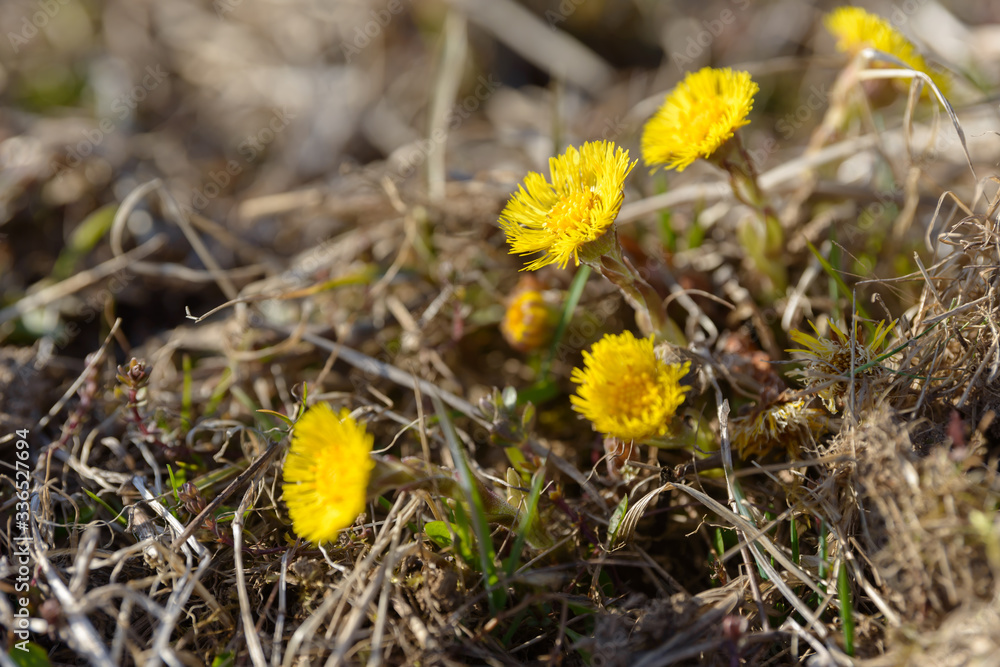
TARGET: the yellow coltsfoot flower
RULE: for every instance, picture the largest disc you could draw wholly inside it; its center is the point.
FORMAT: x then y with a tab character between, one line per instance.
697	117
529	321
578	206
326	473
625	390
856	29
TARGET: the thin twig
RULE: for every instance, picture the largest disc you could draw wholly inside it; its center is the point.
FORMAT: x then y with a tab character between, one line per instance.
250	472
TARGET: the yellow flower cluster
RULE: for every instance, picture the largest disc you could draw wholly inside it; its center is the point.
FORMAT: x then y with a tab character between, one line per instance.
577	206
326	473
856	29
625	390
697	117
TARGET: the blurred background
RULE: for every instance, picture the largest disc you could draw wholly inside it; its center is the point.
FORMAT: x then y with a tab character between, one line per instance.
274	124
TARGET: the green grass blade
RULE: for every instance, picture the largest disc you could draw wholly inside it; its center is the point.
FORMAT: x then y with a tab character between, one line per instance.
527	519
835	275
572	299
895	350
495	593
846	608
115	513
794	539
176	482
83	240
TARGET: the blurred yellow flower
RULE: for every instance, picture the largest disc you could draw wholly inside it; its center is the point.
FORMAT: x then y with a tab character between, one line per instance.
577	207
697	117
326	473
856	29
529	322
828	362
626	390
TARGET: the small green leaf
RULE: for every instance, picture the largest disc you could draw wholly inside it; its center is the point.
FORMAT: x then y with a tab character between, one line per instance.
517	459
438	533
509	397
528	416
284	418
226	659
84	238
454	536
29	654
616	520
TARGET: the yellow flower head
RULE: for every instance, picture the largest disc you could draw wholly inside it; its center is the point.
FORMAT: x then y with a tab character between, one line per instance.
697	117
577	207
788	424
529	321
626	390
326	473
856	29
829	359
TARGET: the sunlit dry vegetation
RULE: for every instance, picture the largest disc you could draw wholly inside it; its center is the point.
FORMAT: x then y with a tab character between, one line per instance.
484	332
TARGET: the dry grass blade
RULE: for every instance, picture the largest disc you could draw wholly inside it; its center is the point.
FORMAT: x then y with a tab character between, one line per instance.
548	47
246	614
626	529
79	631
768	180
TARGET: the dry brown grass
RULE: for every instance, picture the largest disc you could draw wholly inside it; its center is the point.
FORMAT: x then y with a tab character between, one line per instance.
358	262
